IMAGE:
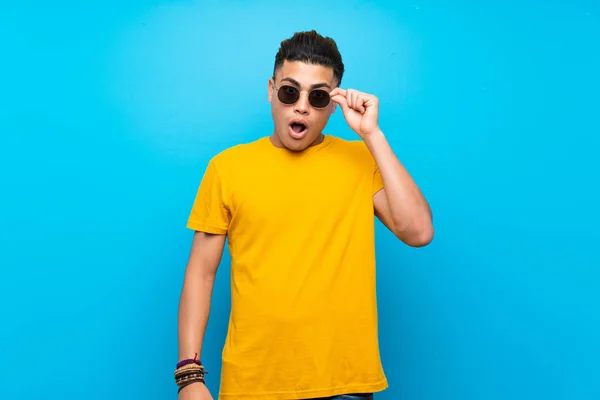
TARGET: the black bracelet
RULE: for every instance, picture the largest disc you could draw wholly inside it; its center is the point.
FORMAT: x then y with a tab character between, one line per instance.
189	383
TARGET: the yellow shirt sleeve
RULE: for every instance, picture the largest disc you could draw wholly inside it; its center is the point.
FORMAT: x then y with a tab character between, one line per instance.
377	180
209	213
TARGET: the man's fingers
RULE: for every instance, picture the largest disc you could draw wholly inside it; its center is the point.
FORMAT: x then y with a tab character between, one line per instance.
338	91
352	99
341	100
355	100
360	103
351	95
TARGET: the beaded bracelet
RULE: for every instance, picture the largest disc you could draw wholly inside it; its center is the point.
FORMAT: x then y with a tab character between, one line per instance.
188	379
193	376
189	371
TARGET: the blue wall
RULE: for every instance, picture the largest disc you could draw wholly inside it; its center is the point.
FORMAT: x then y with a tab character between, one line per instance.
109	114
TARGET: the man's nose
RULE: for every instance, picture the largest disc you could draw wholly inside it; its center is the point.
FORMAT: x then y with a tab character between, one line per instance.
302	105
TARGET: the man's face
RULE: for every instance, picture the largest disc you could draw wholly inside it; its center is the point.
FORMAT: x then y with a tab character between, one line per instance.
299	125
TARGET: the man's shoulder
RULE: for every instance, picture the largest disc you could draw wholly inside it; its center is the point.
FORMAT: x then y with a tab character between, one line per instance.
344	141
354	147
238	152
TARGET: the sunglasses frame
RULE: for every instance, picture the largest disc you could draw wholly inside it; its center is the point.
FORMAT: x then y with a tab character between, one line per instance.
300	93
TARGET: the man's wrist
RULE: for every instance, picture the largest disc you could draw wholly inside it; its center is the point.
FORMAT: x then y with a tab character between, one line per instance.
189	371
374	139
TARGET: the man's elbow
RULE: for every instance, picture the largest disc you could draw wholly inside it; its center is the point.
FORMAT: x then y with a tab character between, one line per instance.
419	236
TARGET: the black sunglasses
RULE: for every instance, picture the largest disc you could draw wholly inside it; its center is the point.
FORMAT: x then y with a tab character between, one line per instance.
318	98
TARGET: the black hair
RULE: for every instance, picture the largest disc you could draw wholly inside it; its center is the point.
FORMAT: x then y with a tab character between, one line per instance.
311	47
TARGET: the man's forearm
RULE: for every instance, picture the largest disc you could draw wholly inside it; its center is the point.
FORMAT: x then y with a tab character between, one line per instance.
409	208
194	310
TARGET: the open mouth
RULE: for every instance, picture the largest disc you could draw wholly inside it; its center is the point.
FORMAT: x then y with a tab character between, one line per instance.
298	127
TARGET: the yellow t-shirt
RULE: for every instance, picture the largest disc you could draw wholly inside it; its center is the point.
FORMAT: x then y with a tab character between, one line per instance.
300	229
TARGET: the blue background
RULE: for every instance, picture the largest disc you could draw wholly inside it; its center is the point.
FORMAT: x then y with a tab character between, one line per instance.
109	113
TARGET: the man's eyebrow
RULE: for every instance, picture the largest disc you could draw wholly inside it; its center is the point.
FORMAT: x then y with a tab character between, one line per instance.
314	86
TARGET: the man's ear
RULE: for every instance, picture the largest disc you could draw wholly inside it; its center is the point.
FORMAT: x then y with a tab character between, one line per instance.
333	107
270	88
333	103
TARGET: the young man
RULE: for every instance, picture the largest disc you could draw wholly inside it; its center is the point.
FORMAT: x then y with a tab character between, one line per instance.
298	209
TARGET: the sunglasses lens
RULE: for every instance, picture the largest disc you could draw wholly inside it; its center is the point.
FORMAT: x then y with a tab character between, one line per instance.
288	94
319	98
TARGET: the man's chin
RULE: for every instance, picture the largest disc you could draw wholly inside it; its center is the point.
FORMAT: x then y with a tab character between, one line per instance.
294	143
305	142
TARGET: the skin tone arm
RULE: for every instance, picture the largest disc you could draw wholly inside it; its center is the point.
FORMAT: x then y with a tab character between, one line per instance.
400	206
194	304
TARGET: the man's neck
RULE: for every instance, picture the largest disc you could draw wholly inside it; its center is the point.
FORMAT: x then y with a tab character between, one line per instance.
274	139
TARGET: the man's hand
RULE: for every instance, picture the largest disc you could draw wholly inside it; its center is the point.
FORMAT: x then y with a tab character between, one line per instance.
360	110
195	391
